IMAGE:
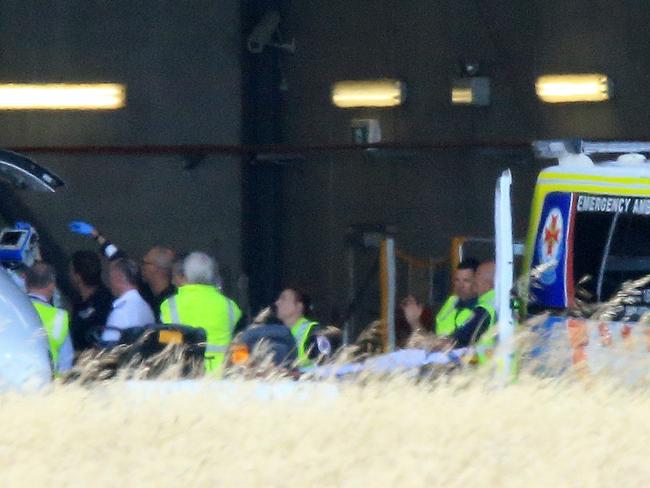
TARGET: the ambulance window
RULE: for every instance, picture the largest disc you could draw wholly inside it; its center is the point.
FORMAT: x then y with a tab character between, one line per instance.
590	236
629	252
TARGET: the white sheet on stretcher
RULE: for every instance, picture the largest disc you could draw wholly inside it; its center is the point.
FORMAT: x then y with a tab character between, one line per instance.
403	359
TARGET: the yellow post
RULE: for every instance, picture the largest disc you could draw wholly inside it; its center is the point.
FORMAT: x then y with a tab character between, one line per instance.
455	256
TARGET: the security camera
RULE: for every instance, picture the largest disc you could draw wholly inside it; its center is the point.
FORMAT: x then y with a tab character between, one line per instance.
469	67
263	32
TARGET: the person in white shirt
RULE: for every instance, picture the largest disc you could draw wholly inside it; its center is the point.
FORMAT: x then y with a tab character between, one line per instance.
129	309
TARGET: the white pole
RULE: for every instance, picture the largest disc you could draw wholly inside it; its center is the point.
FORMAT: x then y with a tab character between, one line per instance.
504	277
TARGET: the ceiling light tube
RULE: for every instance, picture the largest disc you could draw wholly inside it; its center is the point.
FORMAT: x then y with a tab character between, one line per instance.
571	88
62	96
368	93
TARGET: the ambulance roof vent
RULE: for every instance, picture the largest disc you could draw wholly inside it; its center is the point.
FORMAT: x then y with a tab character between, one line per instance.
630	159
568	159
567	152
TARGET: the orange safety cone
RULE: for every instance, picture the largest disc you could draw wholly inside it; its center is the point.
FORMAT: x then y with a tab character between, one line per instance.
239	354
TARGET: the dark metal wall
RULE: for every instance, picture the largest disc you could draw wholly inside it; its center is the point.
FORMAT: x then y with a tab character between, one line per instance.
422	44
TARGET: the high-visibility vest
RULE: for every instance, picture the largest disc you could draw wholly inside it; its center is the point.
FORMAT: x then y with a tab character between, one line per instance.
203	306
56	324
449	317
300	332
485	344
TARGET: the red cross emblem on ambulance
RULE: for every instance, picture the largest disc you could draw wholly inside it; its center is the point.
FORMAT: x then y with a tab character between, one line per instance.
552	235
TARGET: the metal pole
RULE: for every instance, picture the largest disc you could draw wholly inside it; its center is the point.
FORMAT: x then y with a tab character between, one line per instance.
349	322
388	291
392	289
504	278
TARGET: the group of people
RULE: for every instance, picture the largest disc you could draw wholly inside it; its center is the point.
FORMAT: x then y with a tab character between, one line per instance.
163	288
467	317
184	290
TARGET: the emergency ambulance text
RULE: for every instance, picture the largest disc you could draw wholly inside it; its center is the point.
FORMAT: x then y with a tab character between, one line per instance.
601	204
588	203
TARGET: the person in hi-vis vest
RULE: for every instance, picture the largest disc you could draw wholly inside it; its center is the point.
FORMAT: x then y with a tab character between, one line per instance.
460	304
40	281
291	307
477	321
199	303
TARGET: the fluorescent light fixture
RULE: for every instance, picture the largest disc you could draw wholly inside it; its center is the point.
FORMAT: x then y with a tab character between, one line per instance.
471	91
368	93
461	95
590	87
62	96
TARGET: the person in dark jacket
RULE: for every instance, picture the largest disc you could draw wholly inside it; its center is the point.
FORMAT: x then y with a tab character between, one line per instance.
94	303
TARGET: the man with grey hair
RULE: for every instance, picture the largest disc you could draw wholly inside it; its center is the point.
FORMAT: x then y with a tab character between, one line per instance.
199	303
199	268
129	308
40	281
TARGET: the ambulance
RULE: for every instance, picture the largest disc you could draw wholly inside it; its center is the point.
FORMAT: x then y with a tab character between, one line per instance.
589	236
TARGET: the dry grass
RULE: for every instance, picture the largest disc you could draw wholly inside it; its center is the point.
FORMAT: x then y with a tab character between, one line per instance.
536	433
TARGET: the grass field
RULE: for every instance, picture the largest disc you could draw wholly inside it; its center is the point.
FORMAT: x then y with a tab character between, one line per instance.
386	433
